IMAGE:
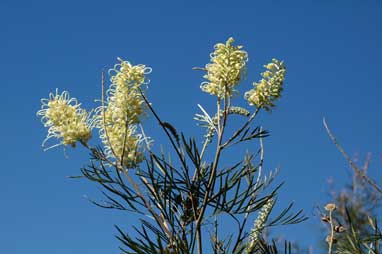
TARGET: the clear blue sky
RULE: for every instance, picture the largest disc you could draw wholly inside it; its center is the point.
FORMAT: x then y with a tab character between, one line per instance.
332	49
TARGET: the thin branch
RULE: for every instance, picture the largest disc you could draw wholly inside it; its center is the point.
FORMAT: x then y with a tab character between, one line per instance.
347	158
331	239
177	150
241	227
199	68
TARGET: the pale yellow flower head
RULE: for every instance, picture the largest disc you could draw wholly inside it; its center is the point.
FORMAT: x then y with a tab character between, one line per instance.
269	88
121	113
226	69
126	73
65	119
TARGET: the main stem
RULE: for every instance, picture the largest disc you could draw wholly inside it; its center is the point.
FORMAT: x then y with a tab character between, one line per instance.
211	181
331	233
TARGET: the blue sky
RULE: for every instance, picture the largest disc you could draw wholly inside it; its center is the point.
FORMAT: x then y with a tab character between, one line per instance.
332	50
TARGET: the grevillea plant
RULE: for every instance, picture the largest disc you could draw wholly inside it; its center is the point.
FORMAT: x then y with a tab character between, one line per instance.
182	198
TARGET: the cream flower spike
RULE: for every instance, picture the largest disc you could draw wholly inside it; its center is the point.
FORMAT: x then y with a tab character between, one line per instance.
269	88
118	118
259	224
226	69
65	119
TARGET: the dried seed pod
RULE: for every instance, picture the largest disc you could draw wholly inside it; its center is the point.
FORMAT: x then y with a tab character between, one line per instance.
339	228
325	218
330	207
330	239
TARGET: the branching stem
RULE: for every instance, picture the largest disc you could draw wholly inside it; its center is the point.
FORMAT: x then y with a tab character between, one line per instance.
347	158
238	132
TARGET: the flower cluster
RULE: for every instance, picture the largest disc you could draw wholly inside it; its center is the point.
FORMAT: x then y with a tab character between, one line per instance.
260	223
227	66
269	88
65	119
117	119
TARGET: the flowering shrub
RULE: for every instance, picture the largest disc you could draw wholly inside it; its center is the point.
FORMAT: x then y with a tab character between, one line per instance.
179	200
